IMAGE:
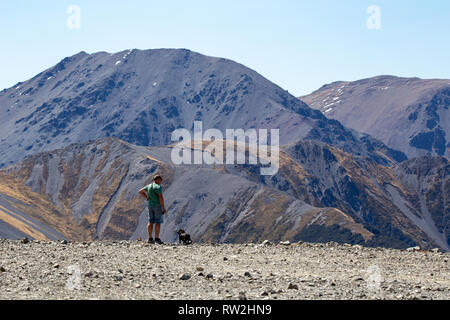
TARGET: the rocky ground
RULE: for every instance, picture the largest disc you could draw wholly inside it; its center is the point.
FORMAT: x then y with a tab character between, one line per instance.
137	270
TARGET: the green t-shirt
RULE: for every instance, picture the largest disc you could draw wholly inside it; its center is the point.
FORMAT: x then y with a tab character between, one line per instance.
152	191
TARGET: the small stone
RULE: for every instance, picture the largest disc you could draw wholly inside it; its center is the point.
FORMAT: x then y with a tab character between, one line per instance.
225	259
242	296
25	240
200	274
209	276
88	274
265	293
412	249
199	269
435	250
138	286
185	277
285	243
292	286
2	269
247	274
333	284
265	243
56	266
63	241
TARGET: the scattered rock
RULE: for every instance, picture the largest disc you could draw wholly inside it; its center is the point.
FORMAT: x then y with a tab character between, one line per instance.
412	249
63	241
225	259
292	286
285	243
242	296
159	270
435	250
25	240
265	243
185	276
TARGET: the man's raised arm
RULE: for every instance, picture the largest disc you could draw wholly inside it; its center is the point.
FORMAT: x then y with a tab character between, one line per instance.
143	193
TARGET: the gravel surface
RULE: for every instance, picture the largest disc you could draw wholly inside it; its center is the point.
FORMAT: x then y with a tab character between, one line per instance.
137	270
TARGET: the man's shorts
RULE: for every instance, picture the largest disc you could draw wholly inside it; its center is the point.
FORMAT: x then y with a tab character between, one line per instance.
155	214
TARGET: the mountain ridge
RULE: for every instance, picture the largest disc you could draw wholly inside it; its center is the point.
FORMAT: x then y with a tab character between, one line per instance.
319	194
141	96
407	114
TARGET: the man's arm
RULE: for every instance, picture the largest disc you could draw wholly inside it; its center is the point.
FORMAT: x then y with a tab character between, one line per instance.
143	193
161	202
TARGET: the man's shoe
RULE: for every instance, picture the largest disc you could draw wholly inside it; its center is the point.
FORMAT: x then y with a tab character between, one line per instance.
150	240
158	241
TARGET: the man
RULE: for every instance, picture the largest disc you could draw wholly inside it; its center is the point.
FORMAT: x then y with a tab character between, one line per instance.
156	208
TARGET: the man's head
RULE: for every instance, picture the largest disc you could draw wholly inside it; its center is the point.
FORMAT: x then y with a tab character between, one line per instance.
157	179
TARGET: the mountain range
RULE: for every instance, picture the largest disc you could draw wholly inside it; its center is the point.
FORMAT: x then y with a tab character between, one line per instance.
408	114
320	193
79	139
141	96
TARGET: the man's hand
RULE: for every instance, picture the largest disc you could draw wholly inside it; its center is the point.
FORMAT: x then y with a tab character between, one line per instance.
161	202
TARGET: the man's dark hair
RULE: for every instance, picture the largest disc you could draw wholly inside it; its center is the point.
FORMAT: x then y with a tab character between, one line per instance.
157	177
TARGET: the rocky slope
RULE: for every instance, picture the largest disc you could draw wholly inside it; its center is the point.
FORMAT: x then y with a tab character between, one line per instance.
142	96
408	114
319	194
136	270
94	188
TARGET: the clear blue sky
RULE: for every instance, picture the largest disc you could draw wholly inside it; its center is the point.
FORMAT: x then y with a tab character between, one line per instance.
298	44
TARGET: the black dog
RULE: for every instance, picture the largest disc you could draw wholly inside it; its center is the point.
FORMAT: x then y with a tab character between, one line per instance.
184	237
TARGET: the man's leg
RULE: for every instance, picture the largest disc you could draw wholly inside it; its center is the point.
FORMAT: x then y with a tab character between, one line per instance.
157	228
150	230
